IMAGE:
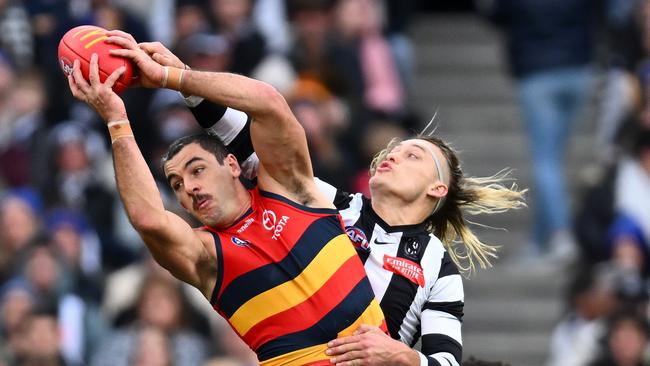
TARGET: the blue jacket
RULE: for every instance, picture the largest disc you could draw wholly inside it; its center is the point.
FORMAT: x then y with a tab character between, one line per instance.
546	34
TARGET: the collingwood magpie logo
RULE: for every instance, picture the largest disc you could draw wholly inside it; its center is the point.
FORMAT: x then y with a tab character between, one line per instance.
412	248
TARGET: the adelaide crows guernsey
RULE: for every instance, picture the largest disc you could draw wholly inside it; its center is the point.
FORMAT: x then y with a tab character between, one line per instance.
289	281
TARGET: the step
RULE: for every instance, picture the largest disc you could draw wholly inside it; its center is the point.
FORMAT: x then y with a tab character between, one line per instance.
455	56
513	348
461	28
513	279
518	313
432	89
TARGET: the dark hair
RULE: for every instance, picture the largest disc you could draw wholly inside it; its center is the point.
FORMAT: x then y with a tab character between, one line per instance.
627	314
208	142
641	141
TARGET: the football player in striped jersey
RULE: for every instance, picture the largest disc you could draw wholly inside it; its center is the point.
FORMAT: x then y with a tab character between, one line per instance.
411	235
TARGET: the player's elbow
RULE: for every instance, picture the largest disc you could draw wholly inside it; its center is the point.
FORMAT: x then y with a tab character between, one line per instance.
271	101
147	224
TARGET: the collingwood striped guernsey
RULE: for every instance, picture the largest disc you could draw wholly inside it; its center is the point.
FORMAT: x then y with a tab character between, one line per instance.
418	286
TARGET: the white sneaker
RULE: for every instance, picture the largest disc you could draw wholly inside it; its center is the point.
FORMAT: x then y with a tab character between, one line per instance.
563	247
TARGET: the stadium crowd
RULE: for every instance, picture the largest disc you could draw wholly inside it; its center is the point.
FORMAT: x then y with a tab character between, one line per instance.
77	286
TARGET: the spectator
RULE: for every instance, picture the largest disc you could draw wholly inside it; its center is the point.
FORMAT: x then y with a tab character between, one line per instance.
153	348
160	305
630	231
40	343
16	304
626	341
16	34
549	49
363	56
79	248
22	131
81	324
20	227
232	19
591	299
623	51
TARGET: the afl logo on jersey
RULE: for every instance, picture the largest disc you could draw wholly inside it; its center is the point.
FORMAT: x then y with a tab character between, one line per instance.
358	238
240	242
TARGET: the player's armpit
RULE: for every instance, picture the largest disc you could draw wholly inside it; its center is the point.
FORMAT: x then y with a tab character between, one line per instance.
186	253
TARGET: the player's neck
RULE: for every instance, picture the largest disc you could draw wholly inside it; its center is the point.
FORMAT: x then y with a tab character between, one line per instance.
395	211
243	203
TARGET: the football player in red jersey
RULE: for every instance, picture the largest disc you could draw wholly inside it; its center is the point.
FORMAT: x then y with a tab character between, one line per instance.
274	260
411	235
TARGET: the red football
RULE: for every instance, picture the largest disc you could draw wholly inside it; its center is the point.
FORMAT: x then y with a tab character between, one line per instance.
81	42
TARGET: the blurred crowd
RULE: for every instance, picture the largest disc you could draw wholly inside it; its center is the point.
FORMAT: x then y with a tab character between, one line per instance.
562	55
77	286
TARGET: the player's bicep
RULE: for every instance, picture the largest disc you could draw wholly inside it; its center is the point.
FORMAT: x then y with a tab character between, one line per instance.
281	144
182	251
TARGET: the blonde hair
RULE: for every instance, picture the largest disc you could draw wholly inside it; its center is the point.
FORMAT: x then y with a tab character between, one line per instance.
471	195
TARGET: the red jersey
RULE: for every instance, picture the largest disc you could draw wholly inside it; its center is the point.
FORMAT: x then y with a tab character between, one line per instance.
289	281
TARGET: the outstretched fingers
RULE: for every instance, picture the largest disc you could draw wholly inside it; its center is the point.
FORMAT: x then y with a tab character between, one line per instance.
93	75
151	47
112	34
114	76
80	82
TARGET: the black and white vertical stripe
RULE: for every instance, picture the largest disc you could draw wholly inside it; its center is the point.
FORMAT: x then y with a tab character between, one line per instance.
432	313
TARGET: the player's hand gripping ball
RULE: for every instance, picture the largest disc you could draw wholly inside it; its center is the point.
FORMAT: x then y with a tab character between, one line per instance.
81	42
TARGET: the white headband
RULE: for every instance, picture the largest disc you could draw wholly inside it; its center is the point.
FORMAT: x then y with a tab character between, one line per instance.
441	176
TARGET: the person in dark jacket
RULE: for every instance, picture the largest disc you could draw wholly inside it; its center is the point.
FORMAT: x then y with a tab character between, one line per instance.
549	48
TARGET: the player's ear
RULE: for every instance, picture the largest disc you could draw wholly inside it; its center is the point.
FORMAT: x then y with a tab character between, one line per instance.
231	162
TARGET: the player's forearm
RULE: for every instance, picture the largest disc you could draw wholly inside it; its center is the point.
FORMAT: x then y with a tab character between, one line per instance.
136	186
403	355
250	96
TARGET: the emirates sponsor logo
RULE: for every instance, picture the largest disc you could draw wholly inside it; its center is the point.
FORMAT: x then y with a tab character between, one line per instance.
405	268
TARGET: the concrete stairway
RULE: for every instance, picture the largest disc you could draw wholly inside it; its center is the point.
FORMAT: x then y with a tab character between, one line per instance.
512	308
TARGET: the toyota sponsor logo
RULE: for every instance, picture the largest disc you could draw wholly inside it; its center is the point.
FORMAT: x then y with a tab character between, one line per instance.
268	219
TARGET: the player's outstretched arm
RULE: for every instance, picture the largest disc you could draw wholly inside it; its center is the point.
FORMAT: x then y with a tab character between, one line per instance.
230	125
278	138
171	240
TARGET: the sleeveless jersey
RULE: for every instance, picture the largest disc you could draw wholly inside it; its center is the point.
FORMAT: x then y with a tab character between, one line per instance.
289	281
